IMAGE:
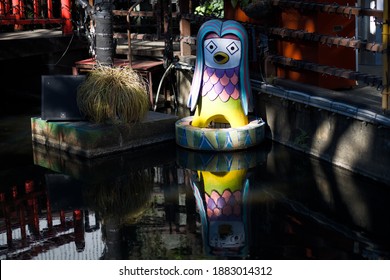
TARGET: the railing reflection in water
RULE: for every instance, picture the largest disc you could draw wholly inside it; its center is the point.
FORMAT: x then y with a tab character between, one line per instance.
31	226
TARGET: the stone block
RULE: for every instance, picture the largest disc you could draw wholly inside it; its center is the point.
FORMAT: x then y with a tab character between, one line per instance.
92	140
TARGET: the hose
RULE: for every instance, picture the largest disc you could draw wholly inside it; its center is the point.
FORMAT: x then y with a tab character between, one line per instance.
159	85
178	65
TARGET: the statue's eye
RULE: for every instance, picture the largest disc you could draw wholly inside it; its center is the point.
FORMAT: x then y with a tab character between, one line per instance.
232	48
211	46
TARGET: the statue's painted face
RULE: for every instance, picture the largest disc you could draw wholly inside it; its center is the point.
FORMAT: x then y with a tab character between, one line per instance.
222	53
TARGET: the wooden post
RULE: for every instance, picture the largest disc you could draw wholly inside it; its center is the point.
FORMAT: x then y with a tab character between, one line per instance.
164	12
386	48
17	12
66	15
168	40
36	8
185	28
7	6
2	8
129	32
49	8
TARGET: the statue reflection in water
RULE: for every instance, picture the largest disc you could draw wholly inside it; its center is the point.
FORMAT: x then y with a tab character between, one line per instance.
221	187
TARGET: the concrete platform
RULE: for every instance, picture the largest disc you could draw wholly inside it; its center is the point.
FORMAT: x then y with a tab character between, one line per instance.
93	140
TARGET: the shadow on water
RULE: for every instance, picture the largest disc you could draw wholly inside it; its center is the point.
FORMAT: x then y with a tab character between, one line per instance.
164	202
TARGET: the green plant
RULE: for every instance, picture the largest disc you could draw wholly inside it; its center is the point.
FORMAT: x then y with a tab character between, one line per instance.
113	94
211	8
258	9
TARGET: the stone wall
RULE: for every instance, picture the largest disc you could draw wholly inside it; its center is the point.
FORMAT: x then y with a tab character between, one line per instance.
356	145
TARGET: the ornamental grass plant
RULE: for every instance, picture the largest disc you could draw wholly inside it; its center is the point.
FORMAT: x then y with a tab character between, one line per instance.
113	95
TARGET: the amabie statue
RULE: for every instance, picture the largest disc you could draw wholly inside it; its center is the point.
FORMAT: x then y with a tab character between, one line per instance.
221	95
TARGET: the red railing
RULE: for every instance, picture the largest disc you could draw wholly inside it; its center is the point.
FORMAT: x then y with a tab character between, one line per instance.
18	13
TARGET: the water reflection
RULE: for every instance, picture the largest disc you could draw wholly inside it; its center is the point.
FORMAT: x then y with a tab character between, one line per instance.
164	202
31	228
220	183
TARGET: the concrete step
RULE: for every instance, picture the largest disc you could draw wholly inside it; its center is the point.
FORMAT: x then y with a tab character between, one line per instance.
92	140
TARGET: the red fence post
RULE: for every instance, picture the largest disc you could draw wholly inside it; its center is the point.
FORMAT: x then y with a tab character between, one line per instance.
7	6
66	16
49	9
2	8
17	12
36	4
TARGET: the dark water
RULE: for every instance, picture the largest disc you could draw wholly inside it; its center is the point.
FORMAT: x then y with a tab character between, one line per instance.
163	202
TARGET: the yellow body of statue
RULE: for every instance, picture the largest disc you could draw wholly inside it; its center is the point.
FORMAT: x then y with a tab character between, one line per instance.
227	112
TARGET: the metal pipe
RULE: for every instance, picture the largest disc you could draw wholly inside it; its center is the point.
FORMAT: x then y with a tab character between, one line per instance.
326	69
286	33
160	84
327	8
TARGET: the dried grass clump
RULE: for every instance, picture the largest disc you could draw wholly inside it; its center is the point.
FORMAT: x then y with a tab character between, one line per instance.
113	94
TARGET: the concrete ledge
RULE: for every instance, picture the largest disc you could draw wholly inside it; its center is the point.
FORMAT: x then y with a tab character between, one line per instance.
360	146
92	140
332	101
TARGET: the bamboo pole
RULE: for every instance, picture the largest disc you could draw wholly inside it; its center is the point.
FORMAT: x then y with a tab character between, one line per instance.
386	45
